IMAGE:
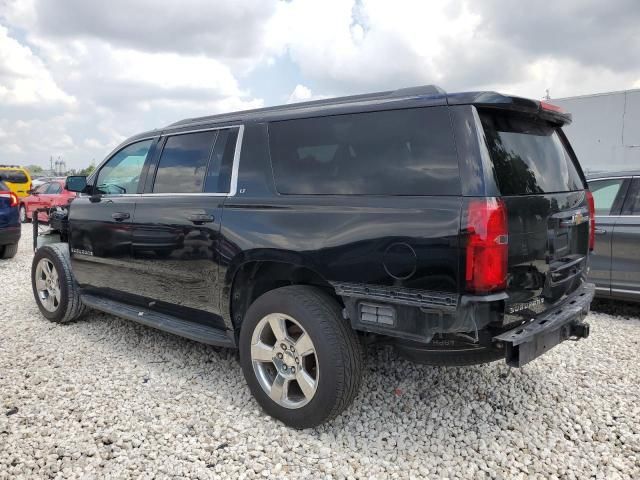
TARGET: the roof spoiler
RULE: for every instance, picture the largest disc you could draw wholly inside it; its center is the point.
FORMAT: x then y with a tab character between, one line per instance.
543	109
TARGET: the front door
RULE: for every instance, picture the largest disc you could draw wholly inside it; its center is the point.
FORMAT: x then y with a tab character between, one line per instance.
100	223
625	247
176	225
608	195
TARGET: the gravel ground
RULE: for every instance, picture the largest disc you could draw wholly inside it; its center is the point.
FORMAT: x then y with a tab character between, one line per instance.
107	398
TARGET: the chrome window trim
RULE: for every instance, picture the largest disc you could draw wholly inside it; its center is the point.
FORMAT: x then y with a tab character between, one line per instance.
622	290
233	185
608	178
617	216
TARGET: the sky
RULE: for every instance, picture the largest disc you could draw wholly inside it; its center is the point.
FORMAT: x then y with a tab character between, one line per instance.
77	77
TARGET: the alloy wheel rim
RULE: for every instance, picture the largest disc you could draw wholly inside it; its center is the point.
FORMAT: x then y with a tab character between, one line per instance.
285	361
48	285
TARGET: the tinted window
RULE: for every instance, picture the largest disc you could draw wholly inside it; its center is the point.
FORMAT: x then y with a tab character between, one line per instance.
399	152
528	156
3	187
121	173
13	176
54	188
219	173
42	188
183	163
604	194
632	202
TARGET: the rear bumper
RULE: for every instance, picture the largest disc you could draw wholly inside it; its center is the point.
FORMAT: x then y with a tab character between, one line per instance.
9	235
563	322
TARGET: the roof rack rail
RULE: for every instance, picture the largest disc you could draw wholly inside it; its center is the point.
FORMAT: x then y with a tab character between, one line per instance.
417	91
10	166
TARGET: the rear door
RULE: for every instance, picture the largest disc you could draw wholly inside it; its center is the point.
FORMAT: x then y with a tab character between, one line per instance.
541	183
625	260
100	224
177	223
608	195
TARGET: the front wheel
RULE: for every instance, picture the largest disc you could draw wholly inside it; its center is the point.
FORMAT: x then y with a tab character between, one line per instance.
301	359
54	287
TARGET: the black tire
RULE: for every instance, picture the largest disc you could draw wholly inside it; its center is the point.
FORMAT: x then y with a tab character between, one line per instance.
339	353
70	306
8	251
23	215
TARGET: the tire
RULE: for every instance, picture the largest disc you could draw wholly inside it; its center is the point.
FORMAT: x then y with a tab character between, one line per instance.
8	251
335	365
23	215
62	286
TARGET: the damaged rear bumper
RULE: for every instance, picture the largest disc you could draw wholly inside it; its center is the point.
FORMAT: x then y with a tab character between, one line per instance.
564	322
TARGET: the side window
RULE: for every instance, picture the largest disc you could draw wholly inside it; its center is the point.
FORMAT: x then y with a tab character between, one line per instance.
121	173
42	188
54	188
605	193
219	172
395	152
632	202
183	163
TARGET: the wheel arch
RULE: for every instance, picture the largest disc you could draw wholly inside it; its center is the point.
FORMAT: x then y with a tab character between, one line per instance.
256	276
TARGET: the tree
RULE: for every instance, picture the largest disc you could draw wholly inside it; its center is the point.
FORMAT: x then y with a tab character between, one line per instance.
87	170
34	169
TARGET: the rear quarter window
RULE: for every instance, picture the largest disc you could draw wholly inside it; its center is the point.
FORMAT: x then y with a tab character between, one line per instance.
528	156
397	152
13	176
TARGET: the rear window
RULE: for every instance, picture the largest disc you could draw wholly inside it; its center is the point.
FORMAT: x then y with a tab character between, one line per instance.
398	152
13	176
528	156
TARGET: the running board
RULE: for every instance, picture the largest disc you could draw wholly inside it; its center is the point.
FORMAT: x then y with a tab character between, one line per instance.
183	328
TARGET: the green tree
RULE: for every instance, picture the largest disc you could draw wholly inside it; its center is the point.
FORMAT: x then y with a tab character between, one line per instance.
87	170
34	169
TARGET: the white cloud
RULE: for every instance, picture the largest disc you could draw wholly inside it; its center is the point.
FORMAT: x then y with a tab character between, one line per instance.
78	77
24	79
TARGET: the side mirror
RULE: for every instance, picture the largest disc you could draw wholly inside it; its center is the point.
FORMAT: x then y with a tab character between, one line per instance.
76	183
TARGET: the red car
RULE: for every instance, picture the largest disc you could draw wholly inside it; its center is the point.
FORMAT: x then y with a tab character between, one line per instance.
47	195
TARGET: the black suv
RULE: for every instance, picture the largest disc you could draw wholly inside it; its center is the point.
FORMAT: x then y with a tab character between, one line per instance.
455	227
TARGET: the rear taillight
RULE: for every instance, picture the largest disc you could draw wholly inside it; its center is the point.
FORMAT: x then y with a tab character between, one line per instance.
13	198
551	107
592	220
487	245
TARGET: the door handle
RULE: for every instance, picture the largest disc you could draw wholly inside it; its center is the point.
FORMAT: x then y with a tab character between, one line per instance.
200	218
120	216
600	231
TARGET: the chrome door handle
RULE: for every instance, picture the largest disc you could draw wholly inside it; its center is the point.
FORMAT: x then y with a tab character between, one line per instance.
600	231
200	218
120	216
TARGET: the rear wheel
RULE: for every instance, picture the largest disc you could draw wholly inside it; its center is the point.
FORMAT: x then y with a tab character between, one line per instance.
301	359
54	288
23	215
8	251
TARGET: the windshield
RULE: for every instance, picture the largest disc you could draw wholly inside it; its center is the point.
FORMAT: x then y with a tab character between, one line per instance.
528	156
13	176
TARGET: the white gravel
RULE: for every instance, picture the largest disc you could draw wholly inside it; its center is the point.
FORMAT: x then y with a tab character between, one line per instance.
107	398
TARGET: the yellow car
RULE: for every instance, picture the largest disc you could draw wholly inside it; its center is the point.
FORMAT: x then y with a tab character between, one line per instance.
16	178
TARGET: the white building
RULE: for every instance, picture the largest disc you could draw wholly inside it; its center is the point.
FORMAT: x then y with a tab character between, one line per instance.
605	132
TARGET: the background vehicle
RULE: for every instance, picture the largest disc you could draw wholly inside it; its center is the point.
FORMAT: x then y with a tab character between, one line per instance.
37	181
615	263
455	227
16	178
9	223
47	195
